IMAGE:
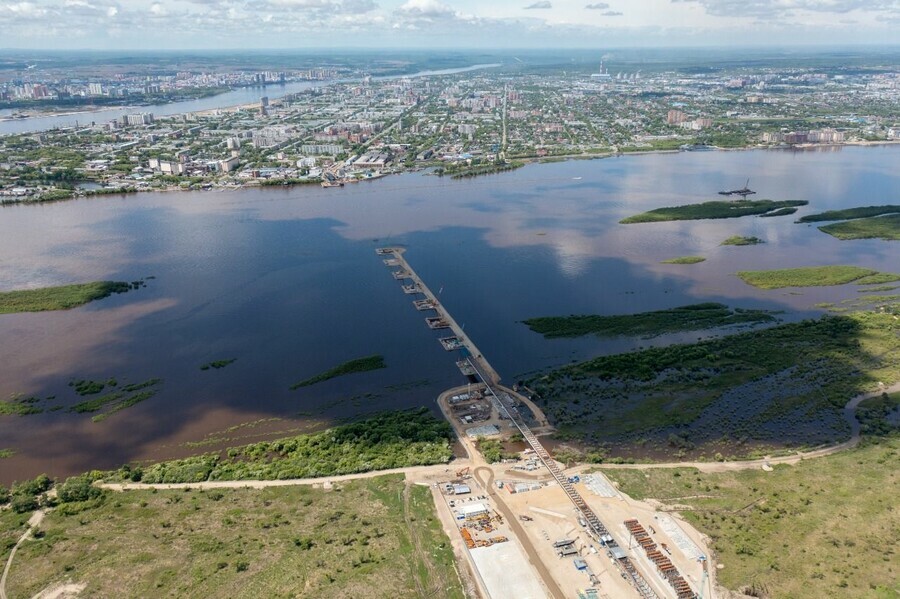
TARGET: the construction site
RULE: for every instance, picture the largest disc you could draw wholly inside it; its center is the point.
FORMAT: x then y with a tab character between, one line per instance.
529	529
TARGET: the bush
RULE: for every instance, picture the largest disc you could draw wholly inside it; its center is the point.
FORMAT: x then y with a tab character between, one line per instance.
77	488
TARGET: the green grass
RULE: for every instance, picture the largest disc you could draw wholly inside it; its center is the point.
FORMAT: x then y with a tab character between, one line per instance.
684	260
850	213
685	318
366	538
12	525
814	276
877	289
741	240
880	227
387	440
7	453
218	364
784	385
358	365
58	298
823	528
780	212
713	209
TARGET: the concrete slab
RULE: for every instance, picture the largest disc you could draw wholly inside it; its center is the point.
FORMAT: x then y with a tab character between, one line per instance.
505	572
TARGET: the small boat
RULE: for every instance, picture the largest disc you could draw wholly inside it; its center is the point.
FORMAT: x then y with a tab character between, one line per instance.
576	178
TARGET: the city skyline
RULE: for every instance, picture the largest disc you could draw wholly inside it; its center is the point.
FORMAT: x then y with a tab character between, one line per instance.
462	24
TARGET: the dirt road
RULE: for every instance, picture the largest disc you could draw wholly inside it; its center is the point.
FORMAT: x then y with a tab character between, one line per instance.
412	473
33	522
853	441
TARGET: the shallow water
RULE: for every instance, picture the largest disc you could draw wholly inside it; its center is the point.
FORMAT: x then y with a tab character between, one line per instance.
287	282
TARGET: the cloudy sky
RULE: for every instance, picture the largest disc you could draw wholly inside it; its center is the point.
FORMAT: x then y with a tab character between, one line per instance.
463	24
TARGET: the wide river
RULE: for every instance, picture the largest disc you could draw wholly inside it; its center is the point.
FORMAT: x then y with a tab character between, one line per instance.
236	97
287	281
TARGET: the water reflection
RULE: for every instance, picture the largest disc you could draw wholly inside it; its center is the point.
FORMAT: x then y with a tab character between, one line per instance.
286	282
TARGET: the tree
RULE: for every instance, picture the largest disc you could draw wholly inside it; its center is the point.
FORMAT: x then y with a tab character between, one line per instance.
77	488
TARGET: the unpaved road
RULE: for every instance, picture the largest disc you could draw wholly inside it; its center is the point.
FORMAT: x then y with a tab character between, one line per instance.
411	472
33	522
853	441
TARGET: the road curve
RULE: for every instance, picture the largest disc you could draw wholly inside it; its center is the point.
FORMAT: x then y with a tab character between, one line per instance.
33	522
520	533
853	441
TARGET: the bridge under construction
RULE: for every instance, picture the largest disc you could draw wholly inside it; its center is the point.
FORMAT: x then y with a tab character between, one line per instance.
506	405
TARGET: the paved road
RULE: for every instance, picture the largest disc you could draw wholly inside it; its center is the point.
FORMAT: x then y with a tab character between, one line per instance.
488	483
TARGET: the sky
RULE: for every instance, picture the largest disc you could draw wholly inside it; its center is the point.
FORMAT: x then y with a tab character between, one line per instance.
442	24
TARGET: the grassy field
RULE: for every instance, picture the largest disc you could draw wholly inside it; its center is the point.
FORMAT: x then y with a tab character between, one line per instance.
368	538
59	298
827	527
714	209
684	260
12	525
814	276
879	227
358	365
781	386
685	318
387	440
741	240
850	213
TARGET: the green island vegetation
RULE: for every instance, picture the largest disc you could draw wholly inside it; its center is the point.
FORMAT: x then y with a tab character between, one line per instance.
713	209
386	440
63	297
492	450
373	362
877	288
378	534
7	453
20	405
822	528
879	227
124	397
217	364
780	212
815	276
289	181
784	386
476	170
850	213
684	260
741	240
694	317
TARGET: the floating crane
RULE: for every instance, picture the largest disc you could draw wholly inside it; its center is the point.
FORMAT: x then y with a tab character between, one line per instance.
744	192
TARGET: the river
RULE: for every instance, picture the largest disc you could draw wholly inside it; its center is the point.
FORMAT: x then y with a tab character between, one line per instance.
287	282
235	97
